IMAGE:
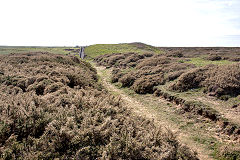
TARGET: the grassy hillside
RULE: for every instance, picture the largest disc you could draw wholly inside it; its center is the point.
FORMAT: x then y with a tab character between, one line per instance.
101	49
198	61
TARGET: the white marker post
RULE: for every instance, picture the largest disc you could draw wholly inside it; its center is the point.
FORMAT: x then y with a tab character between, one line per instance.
81	53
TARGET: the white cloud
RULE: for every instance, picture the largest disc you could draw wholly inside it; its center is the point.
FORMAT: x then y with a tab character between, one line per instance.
76	22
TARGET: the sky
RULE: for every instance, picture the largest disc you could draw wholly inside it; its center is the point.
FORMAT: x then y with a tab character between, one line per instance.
86	22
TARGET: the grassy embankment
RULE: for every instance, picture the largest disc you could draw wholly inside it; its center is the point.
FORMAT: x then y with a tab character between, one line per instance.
101	49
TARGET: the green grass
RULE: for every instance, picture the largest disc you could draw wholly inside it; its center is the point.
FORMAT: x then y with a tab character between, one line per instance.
100	49
91	51
202	62
55	50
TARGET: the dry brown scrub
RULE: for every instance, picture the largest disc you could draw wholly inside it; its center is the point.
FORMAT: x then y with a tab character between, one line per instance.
148	72
214	57
52	106
143	72
218	80
122	60
230	53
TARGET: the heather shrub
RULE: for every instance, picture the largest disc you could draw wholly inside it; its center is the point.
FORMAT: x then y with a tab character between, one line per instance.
145	78
174	75
153	61
143	86
178	54
132	57
148	54
214	57
218	80
149	69
234	58
189	80
101	59
223	80
146	84
113	59
121	60
51	109
127	80
116	75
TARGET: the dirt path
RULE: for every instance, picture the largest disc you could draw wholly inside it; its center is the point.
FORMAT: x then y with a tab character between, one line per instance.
131	103
147	108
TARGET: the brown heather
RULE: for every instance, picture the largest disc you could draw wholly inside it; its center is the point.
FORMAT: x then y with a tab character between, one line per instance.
52	106
122	60
146	84
143	71
230	53
172	71
214	57
189	80
218	80
174	75
223	80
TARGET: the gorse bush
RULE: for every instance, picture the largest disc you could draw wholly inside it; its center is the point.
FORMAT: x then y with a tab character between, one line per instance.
189	80
223	80
146	84
148	70
218	80
191	71
52	106
174	75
